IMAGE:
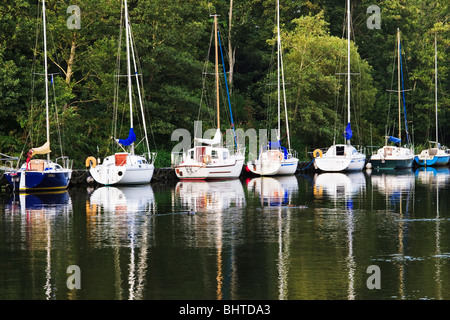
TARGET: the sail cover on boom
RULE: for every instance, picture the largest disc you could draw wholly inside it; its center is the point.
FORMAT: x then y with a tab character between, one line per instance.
44	149
131	138
394	139
348	132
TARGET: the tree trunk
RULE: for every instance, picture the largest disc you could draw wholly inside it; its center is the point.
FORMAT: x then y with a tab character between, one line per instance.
71	59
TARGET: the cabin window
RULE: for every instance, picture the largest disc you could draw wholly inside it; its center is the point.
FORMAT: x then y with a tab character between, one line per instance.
191	154
340	150
214	154
225	155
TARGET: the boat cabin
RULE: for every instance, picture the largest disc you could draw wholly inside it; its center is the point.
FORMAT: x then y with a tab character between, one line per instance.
208	155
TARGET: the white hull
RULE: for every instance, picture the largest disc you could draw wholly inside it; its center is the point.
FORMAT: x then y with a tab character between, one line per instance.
202	171
136	170
273	168
348	160
206	162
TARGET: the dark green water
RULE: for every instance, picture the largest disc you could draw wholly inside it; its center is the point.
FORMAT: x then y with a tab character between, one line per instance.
304	237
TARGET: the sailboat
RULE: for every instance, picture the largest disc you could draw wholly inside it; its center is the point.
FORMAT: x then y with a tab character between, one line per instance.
126	168
209	159
342	157
42	174
395	157
434	156
274	159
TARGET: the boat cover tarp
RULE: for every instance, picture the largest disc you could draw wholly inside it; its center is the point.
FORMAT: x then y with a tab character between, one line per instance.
131	138
348	132
277	145
44	149
394	139
211	142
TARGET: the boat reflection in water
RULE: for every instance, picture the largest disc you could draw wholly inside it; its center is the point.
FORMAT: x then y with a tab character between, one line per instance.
433	175
41	217
398	188
394	184
123	199
121	217
341	188
278	193
213	223
436	178
205	196
274	191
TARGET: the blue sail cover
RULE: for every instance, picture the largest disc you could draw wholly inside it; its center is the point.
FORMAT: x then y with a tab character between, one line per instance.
348	132
131	138
277	145
394	139
274	144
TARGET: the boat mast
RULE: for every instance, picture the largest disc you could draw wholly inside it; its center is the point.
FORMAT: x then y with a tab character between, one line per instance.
435	87
139	93
348	64
127	36
399	89
278	65
46	77
217	71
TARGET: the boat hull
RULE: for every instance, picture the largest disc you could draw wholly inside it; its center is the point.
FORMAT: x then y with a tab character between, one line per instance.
110	175
432	161
392	164
338	164
123	169
391	157
39	180
273	168
210	172
340	157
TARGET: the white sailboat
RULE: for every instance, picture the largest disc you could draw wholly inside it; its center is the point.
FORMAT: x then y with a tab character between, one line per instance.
209	159
126	168
434	156
274	159
42	174
395	157
342	157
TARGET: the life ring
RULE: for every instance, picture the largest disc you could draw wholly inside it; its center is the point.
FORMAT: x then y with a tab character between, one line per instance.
317	153
90	161
280	156
207	159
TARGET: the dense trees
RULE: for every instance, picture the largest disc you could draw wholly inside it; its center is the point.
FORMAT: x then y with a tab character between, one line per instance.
172	39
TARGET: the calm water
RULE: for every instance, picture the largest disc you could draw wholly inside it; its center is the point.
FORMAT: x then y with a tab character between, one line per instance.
305	237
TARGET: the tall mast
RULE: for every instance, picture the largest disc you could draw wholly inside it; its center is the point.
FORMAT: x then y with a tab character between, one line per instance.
348	63
127	36
217	72
280	54
46	76
399	89
139	92
278	65
435	86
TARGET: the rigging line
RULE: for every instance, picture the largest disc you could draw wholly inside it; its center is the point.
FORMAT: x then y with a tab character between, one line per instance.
404	101
226	86
33	77
139	89
205	68
141	80
390	98
56	115
114	123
